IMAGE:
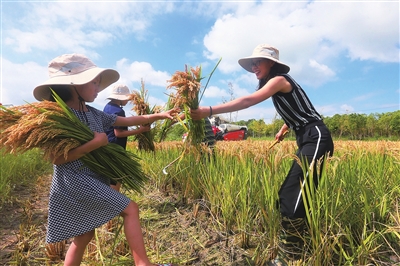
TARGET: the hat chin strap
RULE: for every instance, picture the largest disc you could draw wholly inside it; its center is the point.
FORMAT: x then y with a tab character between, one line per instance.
82	105
81	100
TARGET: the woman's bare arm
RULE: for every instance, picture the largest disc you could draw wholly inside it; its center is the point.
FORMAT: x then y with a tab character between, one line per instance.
273	86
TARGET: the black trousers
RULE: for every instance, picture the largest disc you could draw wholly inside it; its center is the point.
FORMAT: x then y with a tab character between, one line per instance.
314	143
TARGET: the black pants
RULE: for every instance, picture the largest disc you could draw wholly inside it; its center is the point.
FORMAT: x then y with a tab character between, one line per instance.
314	142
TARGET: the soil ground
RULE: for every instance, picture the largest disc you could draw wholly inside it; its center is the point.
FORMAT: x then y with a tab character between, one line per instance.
184	232
27	208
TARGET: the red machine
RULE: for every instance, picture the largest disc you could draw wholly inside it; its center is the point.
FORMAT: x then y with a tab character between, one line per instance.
230	132
227	132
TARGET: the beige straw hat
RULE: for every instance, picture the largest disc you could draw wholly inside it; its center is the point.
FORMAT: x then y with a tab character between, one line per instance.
73	69
119	92
264	51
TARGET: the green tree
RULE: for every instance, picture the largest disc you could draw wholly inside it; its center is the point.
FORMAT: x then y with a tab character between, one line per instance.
333	124
356	125
384	124
258	127
176	132
370	125
277	123
394	123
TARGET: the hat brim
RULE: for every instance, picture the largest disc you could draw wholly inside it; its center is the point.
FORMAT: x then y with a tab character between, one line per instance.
108	76
247	63
118	97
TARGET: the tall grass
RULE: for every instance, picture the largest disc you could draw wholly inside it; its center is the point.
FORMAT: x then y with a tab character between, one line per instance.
353	217
20	169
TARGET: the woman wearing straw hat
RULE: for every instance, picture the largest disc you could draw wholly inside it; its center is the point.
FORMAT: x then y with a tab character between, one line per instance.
80	199
119	97
313	138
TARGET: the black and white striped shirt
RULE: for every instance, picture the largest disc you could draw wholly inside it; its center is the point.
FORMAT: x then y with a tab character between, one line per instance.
209	137
295	107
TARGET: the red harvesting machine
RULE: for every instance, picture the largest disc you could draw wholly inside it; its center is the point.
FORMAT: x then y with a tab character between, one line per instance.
230	132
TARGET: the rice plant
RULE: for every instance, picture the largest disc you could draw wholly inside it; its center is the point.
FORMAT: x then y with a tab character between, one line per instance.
55	129
353	217
141	106
19	169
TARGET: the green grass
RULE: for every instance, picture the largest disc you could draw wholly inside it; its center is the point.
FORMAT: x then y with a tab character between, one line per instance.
20	169
353	216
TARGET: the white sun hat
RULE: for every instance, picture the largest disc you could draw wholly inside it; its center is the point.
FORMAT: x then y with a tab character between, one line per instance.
264	51
73	69
119	92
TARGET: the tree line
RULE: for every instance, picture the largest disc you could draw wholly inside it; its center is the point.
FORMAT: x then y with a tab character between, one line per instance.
347	126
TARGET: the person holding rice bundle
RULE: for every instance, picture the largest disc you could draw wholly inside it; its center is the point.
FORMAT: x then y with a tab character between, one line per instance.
80	199
119	97
312	136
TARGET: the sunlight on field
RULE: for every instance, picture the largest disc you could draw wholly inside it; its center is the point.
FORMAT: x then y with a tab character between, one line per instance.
354	214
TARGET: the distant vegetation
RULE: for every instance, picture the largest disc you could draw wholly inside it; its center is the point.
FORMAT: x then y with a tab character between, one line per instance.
347	127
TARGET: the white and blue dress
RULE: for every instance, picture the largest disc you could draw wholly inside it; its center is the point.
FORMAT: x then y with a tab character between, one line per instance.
81	200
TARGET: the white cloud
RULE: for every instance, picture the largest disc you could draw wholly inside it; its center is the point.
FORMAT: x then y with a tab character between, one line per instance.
136	71
313	38
365	31
77	27
346	109
328	110
19	80
132	73
318	70
215	92
303	31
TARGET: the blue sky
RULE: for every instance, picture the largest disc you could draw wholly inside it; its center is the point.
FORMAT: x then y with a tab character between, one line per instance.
345	54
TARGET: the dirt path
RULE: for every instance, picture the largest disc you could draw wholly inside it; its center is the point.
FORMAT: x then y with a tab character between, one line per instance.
27	211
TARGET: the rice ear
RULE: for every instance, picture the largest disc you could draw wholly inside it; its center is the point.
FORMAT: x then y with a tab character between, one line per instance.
54	128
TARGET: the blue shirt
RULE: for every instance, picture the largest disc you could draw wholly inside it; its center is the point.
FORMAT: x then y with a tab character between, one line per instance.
112	108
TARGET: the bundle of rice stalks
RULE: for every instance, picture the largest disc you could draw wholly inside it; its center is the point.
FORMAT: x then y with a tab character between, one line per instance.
53	127
188	88
188	96
167	123
140	103
9	116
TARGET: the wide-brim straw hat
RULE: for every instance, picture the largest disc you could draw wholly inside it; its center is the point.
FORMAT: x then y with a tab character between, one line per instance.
73	69
264	51
120	92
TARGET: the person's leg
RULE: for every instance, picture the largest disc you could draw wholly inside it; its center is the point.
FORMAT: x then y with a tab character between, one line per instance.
133	233
291	240
77	248
314	145
116	186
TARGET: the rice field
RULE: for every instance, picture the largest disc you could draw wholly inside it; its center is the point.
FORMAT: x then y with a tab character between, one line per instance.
20	169
354	217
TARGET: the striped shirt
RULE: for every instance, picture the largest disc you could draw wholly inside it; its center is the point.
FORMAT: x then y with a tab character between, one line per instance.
295	107
209	137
